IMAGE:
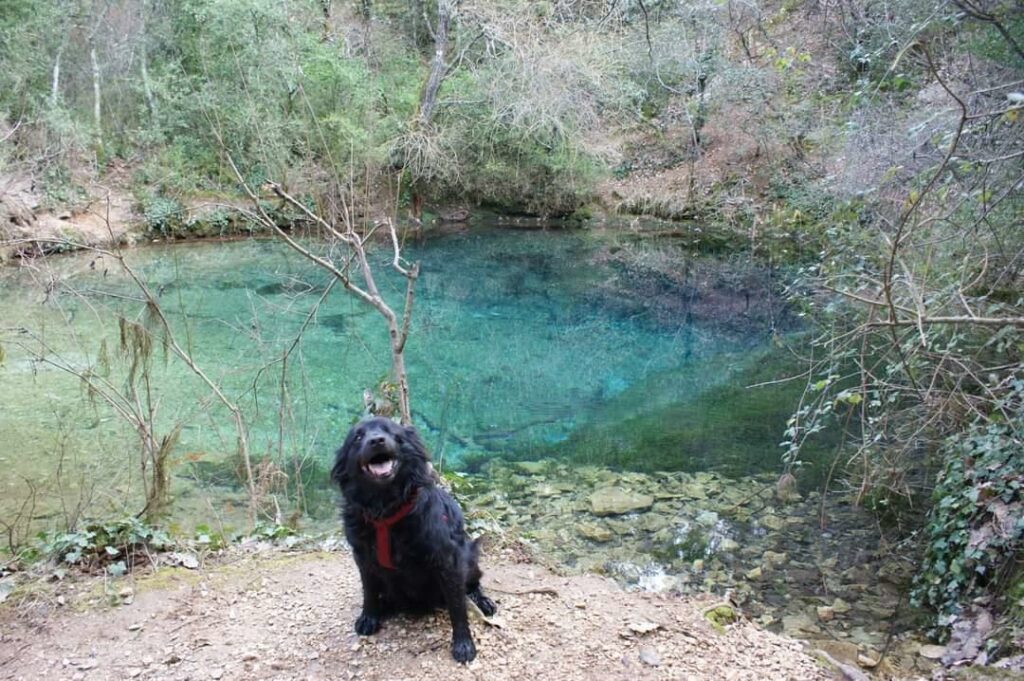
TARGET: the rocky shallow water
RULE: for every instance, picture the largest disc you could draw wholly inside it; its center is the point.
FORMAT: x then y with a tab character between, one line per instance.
809	567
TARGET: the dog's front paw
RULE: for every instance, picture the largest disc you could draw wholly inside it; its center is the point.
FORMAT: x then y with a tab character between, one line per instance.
367	624
463	650
486	605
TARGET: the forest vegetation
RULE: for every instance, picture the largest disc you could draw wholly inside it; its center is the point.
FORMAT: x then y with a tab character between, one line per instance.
874	148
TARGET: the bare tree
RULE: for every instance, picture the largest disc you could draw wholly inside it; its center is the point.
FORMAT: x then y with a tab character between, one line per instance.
355	251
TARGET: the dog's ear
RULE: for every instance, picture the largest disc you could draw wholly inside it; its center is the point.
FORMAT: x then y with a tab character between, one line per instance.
339	472
413	440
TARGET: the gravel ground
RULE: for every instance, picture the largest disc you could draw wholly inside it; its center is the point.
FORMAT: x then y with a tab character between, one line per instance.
274	616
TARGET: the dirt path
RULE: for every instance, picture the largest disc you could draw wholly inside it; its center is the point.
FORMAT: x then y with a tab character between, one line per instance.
290	617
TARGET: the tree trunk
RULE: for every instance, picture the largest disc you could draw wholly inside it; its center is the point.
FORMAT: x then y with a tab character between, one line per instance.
428	100
97	109
55	82
147	88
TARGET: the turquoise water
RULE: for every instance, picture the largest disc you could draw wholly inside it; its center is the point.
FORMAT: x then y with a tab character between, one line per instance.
570	344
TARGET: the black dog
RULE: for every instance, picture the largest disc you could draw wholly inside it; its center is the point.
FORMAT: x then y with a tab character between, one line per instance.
407	534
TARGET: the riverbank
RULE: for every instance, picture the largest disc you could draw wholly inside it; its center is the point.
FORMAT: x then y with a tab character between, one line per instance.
285	615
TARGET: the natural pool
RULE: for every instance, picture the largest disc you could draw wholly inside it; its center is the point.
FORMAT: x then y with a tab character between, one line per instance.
608	358
583	344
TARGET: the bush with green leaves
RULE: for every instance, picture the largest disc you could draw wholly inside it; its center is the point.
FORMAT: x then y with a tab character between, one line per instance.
116	545
975	531
163	215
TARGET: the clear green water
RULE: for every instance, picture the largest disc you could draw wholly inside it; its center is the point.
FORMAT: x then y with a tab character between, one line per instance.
566	344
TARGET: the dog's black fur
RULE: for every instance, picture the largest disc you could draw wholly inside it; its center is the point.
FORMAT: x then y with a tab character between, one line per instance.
435	564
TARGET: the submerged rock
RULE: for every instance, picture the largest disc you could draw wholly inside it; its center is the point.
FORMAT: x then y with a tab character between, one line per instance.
545	491
594	532
694	490
799	625
932	652
775	559
530	467
617	501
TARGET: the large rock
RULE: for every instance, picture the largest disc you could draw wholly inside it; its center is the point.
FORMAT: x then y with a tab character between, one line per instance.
616	501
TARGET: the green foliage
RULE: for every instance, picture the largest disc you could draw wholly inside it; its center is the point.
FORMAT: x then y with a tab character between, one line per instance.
269	532
114	545
164	215
985	41
976	527
206	537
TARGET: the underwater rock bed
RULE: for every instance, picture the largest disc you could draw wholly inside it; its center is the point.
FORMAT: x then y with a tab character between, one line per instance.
811	568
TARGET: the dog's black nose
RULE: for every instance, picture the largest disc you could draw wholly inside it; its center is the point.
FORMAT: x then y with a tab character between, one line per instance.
377	440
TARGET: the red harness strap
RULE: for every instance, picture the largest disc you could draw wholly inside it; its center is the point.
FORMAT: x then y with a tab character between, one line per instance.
383	526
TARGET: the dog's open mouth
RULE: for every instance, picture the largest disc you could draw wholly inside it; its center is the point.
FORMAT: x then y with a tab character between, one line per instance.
381	466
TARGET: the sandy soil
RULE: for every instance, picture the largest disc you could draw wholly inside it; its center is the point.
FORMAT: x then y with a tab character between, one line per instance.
274	616
102	216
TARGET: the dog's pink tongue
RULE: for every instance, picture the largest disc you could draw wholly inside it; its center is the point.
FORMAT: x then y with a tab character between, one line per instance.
382	468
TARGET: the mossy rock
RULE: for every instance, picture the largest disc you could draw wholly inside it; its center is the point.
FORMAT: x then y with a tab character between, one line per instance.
720	617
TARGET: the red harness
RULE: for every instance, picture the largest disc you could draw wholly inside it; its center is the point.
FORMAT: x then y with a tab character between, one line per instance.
382	526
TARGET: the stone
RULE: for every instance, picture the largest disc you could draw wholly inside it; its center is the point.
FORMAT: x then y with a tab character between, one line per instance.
930	652
707	518
643	627
594	532
896	572
617	501
694	491
530	467
869	659
785	489
825	613
720	617
654	522
841	651
799	626
775	559
754	574
728	545
545	491
772	522
649	656
839	606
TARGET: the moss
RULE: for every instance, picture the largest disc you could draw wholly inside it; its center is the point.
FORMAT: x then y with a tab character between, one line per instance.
720	616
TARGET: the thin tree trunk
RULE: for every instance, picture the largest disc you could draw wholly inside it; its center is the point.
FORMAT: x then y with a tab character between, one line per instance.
147	87
97	109
55	81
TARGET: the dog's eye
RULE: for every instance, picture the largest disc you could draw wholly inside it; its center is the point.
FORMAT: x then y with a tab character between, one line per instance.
359	436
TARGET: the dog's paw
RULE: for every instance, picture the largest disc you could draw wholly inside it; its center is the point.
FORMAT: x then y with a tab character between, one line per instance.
486	605
463	650
367	624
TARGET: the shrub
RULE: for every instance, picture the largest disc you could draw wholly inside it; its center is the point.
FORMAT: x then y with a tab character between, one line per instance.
976	527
